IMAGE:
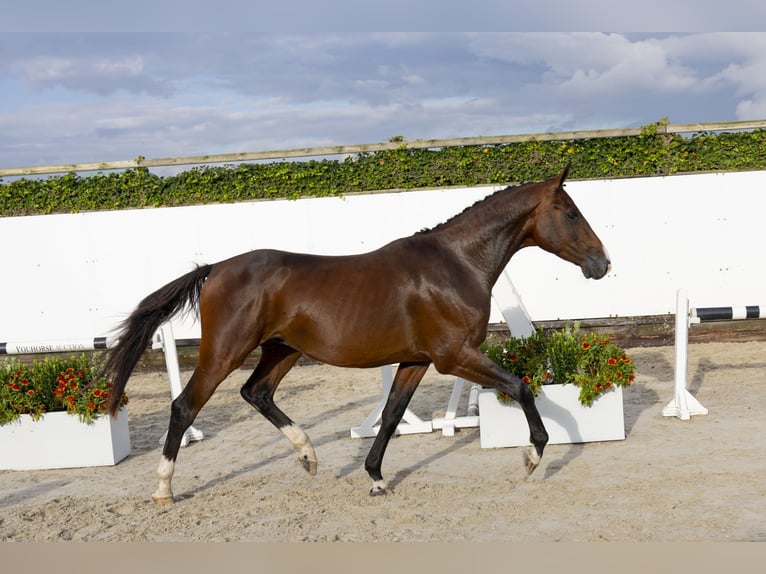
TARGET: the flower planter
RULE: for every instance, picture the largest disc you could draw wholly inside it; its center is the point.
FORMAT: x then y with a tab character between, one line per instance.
60	440
565	419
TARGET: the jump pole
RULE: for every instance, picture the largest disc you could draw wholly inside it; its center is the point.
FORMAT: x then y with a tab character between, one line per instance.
60	346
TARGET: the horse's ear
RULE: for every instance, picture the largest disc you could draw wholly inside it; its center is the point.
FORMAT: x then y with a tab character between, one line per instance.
562	176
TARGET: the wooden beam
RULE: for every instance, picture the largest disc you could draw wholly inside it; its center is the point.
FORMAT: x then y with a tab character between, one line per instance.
370	148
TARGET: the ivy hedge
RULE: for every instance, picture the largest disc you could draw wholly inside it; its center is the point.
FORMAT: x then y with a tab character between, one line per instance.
650	153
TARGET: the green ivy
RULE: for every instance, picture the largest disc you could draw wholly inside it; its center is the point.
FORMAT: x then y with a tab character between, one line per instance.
647	154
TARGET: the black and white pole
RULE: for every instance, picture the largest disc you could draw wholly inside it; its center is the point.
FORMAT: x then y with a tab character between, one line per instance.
683	405
51	346
704	314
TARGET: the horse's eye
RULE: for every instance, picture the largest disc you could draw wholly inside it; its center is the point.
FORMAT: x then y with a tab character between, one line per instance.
572	215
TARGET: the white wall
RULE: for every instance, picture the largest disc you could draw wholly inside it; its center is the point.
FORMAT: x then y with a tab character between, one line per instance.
78	275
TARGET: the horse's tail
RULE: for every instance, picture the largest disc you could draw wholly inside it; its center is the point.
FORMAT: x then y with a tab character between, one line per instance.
137	330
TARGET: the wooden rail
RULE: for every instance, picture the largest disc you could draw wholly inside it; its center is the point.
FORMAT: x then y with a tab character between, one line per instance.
366	148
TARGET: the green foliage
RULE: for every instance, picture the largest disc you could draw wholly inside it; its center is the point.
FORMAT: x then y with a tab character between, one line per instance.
53	384
563	350
649	153
589	361
524	357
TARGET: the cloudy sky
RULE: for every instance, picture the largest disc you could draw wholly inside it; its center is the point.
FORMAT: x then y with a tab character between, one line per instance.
85	96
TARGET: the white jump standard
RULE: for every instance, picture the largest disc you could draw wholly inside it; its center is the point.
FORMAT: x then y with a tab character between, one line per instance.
684	405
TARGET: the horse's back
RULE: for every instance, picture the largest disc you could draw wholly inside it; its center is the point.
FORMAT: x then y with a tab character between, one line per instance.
348	310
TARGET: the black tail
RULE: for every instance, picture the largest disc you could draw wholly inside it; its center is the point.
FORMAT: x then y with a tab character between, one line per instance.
137	330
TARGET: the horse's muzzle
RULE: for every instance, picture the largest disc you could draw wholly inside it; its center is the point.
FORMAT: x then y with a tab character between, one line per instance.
595	267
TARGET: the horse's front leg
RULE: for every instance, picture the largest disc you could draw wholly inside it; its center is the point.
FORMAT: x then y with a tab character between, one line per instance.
406	380
472	365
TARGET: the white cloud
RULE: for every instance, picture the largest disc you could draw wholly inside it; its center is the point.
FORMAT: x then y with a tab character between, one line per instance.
98	75
104	97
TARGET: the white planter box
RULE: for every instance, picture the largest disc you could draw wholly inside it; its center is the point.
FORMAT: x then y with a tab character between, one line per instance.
565	419
60	440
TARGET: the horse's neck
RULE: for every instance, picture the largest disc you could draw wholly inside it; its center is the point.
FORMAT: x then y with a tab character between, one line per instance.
489	233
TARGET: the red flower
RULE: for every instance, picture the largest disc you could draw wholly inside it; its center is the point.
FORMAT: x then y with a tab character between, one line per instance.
612	361
526	379
585	346
31	392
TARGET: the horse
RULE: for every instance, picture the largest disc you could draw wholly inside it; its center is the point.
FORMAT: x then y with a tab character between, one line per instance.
420	300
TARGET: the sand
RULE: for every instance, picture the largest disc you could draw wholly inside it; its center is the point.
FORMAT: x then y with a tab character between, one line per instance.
670	480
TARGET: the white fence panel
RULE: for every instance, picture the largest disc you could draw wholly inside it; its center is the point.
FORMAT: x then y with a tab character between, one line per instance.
78	275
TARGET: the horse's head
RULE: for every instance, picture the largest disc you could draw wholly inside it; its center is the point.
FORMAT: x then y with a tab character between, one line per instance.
560	228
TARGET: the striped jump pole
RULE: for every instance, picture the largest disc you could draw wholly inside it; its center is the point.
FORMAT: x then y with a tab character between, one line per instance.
684	405
63	346
705	314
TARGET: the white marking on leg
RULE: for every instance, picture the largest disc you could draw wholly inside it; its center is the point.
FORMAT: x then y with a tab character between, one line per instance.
164	494
379	487
300	440
531	459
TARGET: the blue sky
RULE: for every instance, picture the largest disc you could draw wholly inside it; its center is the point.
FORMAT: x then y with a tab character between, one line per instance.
116	94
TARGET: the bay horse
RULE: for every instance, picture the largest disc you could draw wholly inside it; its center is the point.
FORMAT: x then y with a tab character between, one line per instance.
417	301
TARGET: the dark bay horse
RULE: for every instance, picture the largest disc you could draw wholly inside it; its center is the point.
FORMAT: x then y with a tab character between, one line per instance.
420	300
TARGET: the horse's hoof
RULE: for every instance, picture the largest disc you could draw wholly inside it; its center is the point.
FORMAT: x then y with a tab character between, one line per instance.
531	459
309	466
380	489
163	500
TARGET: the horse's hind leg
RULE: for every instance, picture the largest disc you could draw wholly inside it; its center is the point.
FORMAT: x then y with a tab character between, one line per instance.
213	367
276	360
183	411
406	380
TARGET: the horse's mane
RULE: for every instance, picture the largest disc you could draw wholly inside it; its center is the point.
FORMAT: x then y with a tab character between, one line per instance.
469	208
